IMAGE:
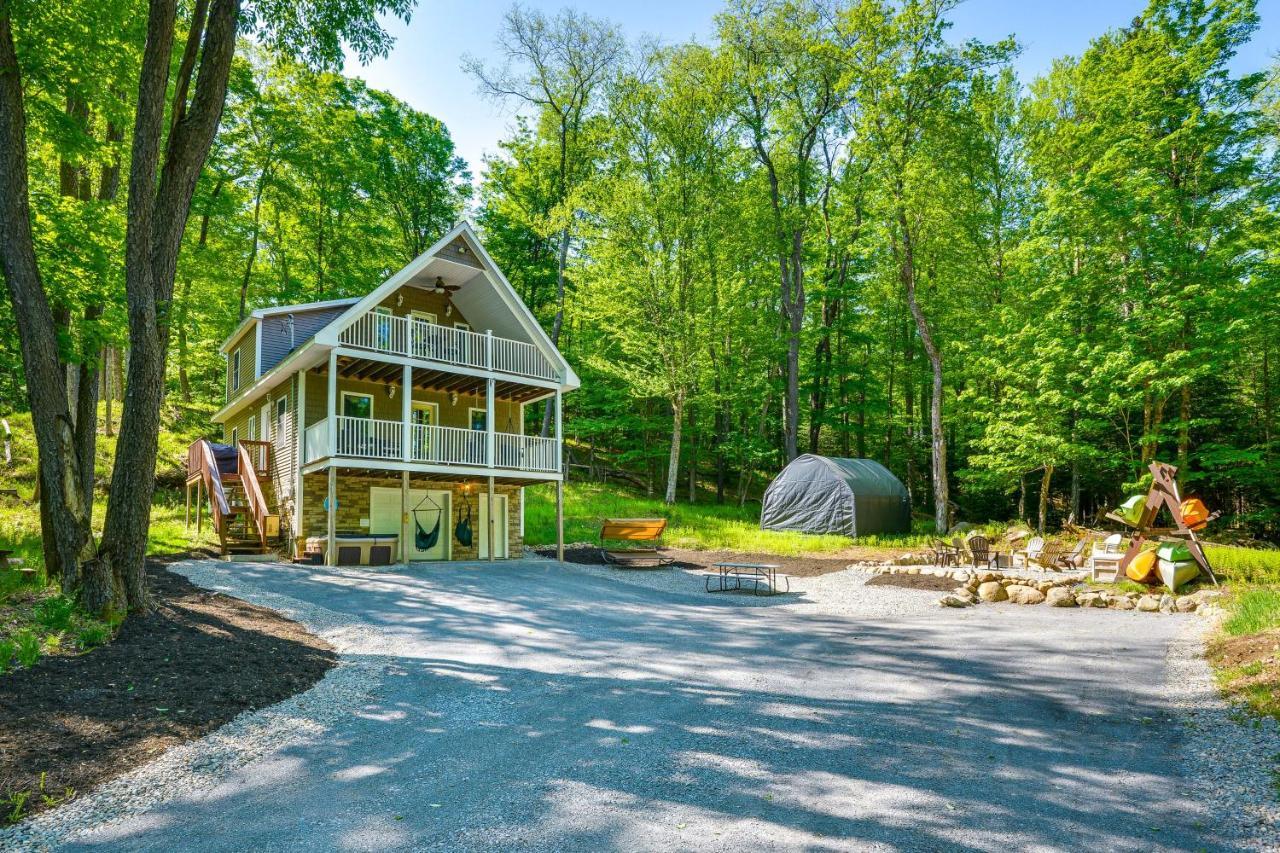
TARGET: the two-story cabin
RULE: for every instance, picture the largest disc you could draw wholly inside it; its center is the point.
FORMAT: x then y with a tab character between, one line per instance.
390	427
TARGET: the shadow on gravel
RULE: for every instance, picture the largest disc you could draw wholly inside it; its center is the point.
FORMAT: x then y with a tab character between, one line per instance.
532	706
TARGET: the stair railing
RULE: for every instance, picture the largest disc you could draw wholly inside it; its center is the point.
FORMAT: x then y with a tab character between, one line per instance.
248	451
200	460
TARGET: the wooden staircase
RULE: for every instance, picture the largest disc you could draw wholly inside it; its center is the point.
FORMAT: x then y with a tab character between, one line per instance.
237	503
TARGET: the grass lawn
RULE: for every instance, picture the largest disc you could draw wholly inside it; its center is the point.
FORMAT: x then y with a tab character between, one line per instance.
703	526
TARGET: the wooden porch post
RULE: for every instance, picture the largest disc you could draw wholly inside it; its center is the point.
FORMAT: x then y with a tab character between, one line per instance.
333	403
199	504
492	527
186	524
559	482
331	553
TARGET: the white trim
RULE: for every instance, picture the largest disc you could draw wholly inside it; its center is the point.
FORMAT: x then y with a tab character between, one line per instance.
424	316
235	370
481	410
342	405
504	475
257	353
463	325
329	335
251	427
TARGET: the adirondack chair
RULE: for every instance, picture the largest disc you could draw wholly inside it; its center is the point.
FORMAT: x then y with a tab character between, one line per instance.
1028	554
1048	557
1074	559
1108	556
648	530
943	554
980	552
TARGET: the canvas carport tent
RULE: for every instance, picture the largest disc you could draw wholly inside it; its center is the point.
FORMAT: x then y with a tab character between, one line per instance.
822	494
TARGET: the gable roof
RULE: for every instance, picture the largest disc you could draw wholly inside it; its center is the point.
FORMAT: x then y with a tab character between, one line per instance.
520	312
272	310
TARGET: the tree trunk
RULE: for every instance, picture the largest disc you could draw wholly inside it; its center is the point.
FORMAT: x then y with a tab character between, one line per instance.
58	466
940	492
673	459
1042	518
157	217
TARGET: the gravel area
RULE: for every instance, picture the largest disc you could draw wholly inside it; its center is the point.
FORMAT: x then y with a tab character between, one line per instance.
1234	760
537	706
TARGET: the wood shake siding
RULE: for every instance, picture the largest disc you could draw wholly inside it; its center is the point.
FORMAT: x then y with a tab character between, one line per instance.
276	341
459	252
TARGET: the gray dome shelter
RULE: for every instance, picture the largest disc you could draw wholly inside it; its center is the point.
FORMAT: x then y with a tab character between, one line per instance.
822	494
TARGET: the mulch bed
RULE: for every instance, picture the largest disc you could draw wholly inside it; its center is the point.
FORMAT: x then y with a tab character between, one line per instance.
1249	669
802	567
929	582
171	676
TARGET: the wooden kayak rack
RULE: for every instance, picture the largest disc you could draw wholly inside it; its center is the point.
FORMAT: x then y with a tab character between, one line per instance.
1163	494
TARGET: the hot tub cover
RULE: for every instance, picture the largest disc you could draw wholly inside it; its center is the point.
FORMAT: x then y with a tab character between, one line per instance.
823	494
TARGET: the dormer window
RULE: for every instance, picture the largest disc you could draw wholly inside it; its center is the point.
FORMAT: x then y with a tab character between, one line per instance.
235	370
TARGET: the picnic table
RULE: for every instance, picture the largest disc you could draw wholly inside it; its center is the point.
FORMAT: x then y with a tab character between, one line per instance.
731	576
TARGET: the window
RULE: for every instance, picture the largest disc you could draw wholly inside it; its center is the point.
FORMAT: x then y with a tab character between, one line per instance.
235	436
235	370
282	409
357	405
424	337
252	429
476	418
462	327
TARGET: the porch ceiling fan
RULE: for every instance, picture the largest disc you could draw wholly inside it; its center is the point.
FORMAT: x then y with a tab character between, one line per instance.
444	289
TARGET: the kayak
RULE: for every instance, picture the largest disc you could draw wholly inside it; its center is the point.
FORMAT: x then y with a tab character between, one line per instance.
1175	574
1142	568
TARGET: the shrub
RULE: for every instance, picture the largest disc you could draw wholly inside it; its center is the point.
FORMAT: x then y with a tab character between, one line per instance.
28	650
92	634
55	612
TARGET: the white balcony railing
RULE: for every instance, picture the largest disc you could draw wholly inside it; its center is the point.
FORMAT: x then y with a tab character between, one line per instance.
366	438
369	438
416	338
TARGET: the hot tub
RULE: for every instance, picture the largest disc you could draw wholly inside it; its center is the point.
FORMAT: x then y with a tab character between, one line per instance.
360	549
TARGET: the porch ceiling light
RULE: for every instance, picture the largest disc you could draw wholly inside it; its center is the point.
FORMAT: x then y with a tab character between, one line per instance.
453	398
391	391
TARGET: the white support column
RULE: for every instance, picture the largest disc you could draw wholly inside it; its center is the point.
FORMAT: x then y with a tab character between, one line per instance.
489	418
406	412
299	451
331	551
559	480
332	406
493	540
404	517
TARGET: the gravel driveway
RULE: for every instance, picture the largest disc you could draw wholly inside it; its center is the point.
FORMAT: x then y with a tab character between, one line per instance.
533	705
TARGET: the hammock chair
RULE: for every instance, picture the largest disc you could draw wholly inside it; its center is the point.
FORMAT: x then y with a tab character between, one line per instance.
423	539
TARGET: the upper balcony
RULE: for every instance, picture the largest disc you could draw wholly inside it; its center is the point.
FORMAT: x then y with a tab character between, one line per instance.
418	339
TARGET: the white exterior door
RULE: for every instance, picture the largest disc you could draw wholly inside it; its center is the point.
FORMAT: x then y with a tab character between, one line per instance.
500	552
384	517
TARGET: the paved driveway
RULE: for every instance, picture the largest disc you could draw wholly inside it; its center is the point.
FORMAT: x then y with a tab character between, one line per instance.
537	706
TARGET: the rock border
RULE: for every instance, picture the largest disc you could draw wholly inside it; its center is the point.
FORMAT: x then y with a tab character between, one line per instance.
977	585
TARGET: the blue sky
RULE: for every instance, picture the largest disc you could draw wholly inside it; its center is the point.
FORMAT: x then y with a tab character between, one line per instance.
424	68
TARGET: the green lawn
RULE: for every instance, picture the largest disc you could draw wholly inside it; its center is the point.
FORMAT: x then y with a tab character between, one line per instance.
703	526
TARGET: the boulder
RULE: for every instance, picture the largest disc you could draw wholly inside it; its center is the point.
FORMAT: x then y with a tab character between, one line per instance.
1045	586
1020	594
1184	604
987	577
1090	599
991	591
1060	596
1118	603
1166	603
955	601
1148	604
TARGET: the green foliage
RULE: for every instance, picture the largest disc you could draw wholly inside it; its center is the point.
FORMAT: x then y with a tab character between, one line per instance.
1245	565
28	647
92	634
1252	610
8	651
55	613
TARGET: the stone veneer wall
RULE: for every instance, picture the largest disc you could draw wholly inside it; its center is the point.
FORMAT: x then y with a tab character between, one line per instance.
353	505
